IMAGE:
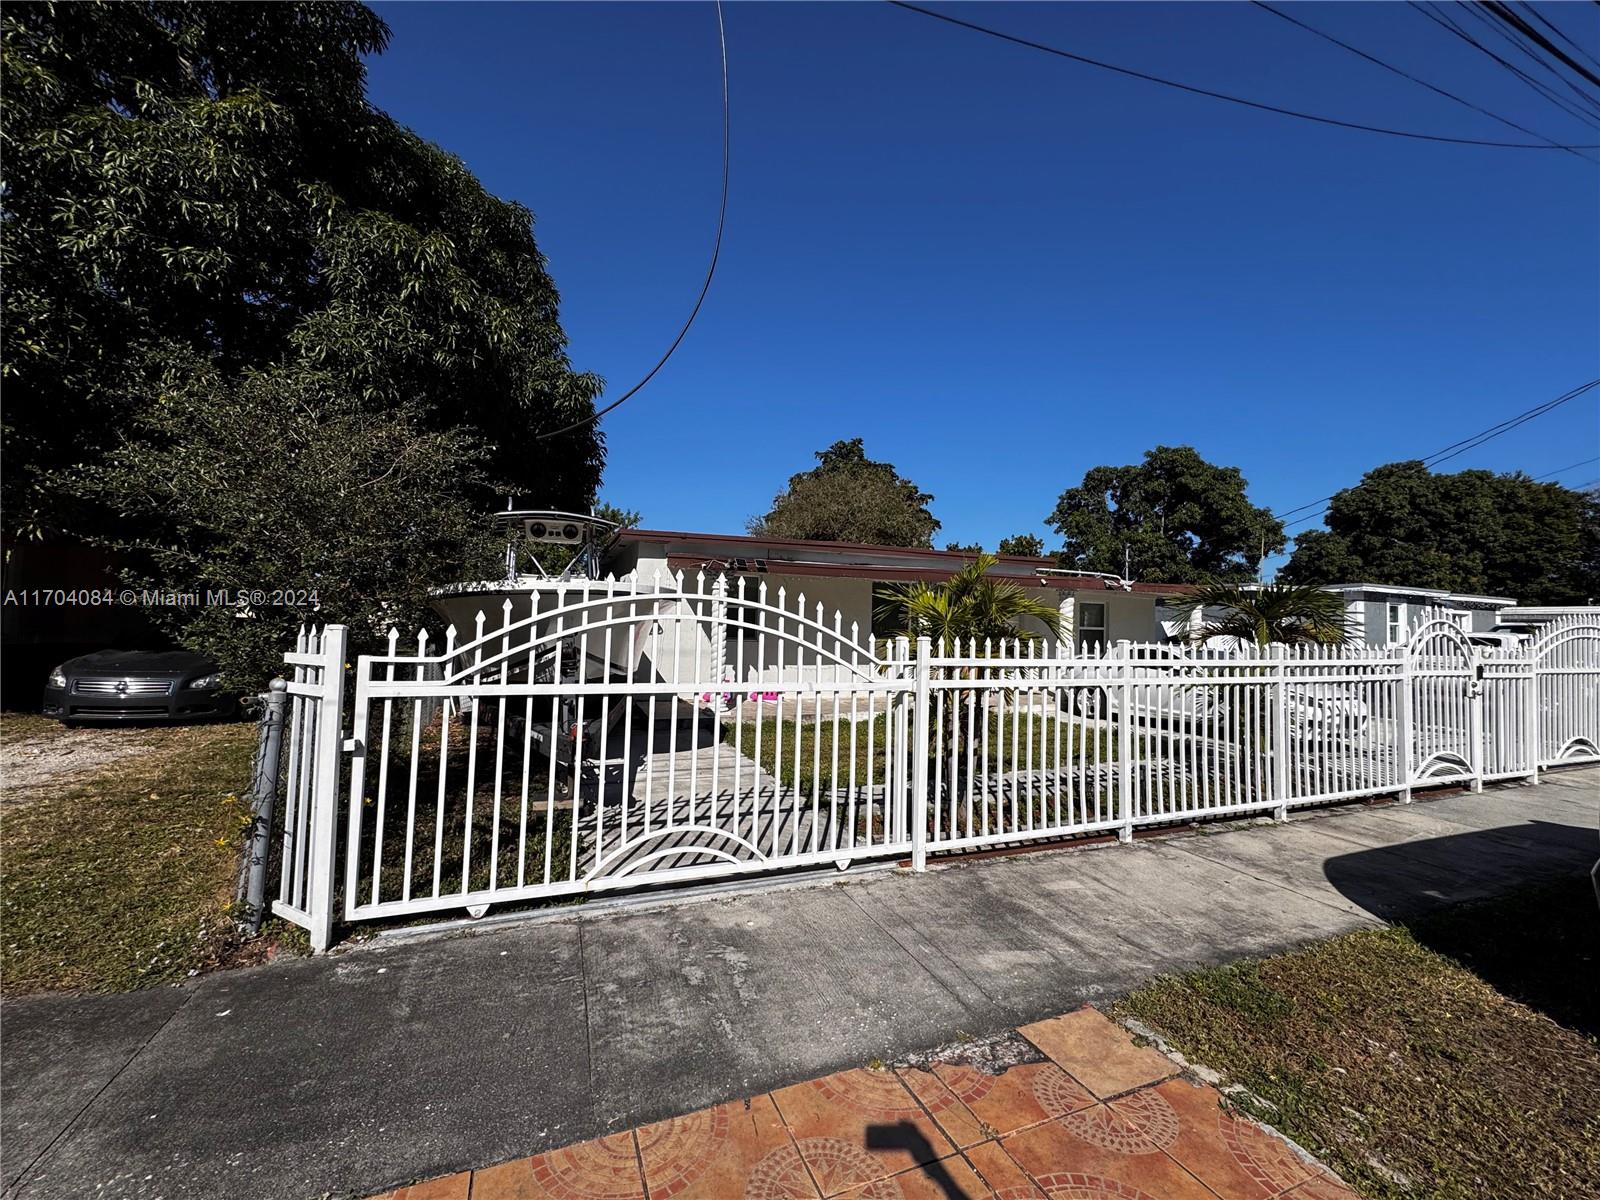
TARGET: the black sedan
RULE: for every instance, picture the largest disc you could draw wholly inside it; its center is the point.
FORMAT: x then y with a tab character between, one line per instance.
137	685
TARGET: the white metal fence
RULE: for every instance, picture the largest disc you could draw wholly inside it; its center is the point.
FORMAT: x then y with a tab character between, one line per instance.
609	735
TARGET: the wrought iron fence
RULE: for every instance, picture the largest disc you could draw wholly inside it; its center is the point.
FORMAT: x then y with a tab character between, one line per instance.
605	734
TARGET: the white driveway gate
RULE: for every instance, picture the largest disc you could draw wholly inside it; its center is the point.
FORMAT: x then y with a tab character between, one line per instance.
612	735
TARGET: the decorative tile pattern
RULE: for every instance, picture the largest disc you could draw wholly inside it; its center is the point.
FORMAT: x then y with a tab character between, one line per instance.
604	1169
1119	1157
779	1175
1033	1132
1233	1156
1016	1099
1098	1053
1001	1174
710	1154
858	1126
939	1180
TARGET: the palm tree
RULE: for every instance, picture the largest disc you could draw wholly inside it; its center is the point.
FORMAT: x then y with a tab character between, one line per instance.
968	614
972	605
1260	614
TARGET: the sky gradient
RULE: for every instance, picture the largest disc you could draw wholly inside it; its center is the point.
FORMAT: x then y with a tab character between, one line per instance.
1001	268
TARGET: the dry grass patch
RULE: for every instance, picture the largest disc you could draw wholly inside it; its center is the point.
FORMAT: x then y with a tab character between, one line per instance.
1405	1071
125	879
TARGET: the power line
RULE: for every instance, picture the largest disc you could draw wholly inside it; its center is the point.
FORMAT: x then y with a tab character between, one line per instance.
1523	47
711	269
1555	29
1199	91
1451	27
1465	444
1506	15
1563	470
1328	37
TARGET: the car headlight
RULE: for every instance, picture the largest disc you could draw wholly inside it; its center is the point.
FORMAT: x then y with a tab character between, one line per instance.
205	683
58	678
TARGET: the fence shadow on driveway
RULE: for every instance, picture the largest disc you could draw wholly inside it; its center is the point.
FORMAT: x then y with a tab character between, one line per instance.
1516	906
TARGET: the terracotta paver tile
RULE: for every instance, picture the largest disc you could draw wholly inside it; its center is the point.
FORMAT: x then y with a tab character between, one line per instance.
858	1126
1232	1155
734	1149
1098	1052
1022	1096
606	1168
1322	1187
1001	1173
941	1179
446	1187
951	1115
1095	1153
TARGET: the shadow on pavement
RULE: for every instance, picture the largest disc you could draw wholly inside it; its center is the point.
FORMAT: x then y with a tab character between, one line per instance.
904	1135
1514	906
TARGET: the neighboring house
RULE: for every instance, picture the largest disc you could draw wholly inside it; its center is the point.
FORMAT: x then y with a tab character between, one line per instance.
1382	614
1095	611
1529	619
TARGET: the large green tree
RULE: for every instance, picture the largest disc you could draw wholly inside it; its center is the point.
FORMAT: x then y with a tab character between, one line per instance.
1179	518
203	215
847	497
1472	531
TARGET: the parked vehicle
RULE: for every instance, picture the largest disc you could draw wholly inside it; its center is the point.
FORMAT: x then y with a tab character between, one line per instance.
1166	695
137	685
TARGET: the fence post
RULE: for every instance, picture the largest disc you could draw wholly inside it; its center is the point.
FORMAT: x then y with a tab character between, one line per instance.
1475	690
919	761
1125	741
1530	713
264	801
324	824
1280	731
1403	724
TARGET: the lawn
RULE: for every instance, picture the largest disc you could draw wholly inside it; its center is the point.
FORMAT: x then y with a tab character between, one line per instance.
1030	742
1452	1058
124	878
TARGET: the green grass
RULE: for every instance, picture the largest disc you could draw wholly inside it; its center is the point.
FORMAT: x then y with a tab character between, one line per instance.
1410	1074
126	880
1009	747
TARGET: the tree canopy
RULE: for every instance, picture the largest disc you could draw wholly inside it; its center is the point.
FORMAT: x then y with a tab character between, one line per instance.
1180	518
847	497
1028	545
218	253
1473	531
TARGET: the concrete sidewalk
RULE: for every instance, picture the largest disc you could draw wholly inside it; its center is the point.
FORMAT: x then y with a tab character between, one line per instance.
397	1060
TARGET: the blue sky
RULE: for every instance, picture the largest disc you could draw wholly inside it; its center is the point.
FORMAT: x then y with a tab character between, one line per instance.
1002	269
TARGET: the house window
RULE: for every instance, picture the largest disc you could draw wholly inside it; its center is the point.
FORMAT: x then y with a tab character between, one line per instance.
1396	622
1091	626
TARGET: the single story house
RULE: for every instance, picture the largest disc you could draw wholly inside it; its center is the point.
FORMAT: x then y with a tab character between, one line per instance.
1096	611
1381	614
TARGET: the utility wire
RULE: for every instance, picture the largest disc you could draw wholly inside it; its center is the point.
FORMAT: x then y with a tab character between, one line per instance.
1528	51
1506	15
1465	444
1328	37
1199	91
1555	29
1450	26
711	269
1565	469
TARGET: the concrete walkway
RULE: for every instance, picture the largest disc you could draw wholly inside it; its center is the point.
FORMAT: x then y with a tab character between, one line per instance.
397	1060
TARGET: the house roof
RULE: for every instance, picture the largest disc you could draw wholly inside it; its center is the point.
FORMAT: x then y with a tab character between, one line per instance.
861	560
1389	589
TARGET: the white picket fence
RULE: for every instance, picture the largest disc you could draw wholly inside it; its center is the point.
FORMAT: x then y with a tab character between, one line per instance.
606	735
